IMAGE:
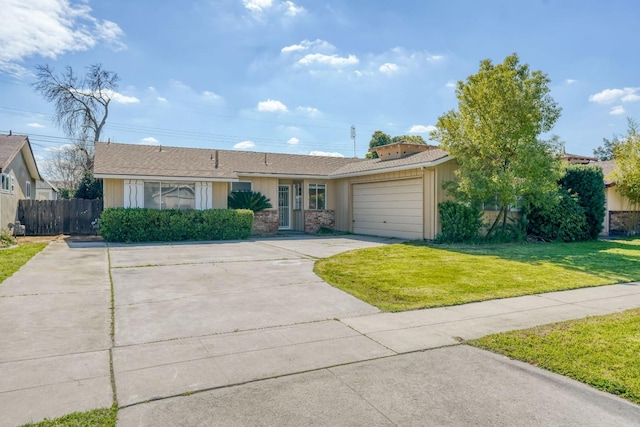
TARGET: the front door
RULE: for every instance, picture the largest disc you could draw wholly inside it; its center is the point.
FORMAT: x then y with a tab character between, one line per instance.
284	206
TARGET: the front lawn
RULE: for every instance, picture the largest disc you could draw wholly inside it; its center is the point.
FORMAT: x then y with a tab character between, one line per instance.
602	351
415	275
13	258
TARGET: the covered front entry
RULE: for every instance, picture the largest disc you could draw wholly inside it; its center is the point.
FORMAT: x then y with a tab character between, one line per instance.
389	208
284	207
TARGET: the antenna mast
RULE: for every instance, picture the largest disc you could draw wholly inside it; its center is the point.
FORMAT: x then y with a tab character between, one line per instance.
353	136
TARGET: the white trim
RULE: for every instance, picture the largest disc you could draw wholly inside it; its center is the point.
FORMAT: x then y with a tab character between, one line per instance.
324	184
289	214
164	178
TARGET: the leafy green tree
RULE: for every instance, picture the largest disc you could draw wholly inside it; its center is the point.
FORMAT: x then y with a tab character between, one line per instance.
587	184
627	172
378	139
89	188
253	200
494	136
607	150
413	139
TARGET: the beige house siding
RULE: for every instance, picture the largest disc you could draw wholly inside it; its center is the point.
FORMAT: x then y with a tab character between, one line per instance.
9	202
220	195
113	193
614	201
444	173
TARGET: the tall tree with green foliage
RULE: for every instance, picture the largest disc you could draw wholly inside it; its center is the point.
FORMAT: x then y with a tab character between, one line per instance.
412	139
607	150
378	139
494	136
627	172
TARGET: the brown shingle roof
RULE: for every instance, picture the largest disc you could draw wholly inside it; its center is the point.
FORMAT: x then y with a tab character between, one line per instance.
379	165
146	160
180	162
608	167
10	146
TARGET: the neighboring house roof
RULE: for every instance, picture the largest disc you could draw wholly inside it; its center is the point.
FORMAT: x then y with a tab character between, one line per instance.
577	158
608	167
130	160
424	158
46	185
10	146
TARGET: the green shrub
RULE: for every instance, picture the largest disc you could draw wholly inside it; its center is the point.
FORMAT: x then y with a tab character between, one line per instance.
564	220
252	200
460	223
587	182
170	225
6	239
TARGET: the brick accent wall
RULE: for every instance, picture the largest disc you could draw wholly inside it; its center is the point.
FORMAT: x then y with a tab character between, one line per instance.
265	223
624	222
313	220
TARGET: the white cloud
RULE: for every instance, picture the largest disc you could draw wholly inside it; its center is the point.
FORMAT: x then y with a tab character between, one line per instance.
123	99
451	84
435	58
326	154
210	95
609	96
271	106
316	46
422	129
257	5
389	68
149	140
331	60
162	99
50	28
617	110
292	9
310	111
35	125
293	141
570	81
244	145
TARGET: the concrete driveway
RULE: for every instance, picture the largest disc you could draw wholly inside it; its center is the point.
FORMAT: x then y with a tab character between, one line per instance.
243	333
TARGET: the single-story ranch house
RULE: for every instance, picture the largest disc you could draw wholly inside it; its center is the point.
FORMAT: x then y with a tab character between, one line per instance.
396	195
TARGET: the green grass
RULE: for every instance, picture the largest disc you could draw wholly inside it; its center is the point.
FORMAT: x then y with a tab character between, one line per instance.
414	275
13	258
105	417
602	351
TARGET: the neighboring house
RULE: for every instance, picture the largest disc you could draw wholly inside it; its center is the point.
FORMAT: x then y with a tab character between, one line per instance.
45	190
19	173
395	195
620	212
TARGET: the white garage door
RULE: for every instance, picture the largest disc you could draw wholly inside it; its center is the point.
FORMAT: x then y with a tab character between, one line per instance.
390	208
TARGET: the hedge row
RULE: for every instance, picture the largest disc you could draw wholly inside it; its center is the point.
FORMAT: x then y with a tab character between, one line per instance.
152	225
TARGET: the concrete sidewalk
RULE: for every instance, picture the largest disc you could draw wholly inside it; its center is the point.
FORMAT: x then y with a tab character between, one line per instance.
55	324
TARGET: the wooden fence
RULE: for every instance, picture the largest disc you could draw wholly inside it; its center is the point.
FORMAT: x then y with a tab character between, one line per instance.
51	217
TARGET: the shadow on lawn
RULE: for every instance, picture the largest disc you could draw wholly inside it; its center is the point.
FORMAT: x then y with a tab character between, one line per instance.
612	259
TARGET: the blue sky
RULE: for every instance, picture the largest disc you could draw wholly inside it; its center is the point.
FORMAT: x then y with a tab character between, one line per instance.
293	76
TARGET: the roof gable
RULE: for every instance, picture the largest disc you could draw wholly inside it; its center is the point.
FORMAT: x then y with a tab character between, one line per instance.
10	146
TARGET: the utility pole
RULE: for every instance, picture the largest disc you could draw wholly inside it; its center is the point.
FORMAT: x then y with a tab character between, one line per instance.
353	136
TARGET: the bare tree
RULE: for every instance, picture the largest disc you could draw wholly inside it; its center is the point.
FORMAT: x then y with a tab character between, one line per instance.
82	108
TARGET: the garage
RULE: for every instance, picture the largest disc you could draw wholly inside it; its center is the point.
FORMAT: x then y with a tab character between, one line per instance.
389	208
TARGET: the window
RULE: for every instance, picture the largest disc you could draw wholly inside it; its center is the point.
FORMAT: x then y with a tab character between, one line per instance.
317	196
297	197
170	195
6	183
27	190
241	186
